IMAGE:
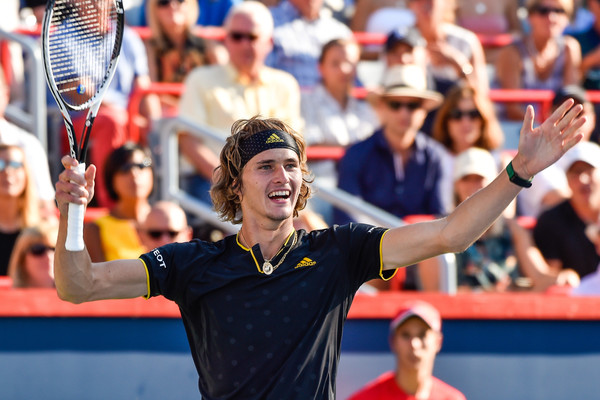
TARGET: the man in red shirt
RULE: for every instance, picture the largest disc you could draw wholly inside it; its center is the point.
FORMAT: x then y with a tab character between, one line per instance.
415	339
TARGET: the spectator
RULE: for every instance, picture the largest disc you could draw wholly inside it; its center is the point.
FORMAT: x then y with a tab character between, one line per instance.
405	46
110	127
550	185
464	120
415	339
490	263
397	156
165	223
589	40
174	49
18	200
217	95
560	232
129	176
34	153
544	58
332	116
32	259
454	52
398	168
301	30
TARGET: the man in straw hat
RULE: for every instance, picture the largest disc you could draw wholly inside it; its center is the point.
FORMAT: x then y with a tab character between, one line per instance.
264	309
398	168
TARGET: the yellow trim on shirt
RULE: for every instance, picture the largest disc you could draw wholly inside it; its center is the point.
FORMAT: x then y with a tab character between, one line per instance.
381	259
147	296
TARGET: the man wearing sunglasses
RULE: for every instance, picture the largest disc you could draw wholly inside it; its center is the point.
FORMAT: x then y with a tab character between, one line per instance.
398	168
215	96
165	223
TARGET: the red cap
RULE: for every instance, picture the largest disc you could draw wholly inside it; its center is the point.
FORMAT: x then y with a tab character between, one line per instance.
421	309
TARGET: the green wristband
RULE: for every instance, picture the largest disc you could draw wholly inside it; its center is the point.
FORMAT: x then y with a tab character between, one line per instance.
516	179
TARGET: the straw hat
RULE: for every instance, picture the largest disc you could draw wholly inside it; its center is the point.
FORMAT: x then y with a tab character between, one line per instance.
406	81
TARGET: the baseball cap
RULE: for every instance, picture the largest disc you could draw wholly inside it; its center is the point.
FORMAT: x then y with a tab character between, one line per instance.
403	34
587	152
475	161
574	92
417	308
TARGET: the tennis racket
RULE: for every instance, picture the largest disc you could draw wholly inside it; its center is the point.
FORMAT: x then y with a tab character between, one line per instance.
81	42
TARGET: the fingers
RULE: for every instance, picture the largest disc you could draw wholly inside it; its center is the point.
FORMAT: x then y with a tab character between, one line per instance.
73	187
528	120
572	135
560	111
570	117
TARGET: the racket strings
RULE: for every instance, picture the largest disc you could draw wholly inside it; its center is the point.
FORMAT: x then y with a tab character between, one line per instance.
82	40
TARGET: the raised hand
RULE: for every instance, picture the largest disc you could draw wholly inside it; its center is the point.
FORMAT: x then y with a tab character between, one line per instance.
540	147
73	187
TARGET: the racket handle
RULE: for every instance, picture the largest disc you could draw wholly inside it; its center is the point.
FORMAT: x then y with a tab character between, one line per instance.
74	240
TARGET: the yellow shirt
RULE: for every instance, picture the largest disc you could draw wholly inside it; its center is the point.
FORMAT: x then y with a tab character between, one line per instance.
119	238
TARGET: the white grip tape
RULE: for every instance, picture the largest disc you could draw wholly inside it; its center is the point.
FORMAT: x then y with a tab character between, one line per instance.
75	223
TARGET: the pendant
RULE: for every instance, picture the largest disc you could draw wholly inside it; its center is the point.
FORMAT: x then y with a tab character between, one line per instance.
267	268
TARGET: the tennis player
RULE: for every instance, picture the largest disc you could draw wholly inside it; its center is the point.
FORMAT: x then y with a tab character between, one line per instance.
264	309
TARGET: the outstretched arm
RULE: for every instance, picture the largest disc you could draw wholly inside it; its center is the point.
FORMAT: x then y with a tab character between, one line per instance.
78	279
538	148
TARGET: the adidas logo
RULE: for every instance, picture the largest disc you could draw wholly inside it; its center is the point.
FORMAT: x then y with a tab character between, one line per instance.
273	139
306	262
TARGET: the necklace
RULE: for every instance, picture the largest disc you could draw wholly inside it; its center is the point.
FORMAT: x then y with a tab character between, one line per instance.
268	268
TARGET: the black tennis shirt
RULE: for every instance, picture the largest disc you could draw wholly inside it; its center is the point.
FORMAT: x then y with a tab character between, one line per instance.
258	336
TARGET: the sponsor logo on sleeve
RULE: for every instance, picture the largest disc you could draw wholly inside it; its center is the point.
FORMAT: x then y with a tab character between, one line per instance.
159	258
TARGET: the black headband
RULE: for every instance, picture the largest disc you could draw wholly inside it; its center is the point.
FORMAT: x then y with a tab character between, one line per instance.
266	140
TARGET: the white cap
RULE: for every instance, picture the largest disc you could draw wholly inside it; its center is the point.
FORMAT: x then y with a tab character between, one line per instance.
475	161
587	152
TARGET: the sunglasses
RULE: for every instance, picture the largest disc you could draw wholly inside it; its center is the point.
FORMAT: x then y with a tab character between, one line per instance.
166	3
239	36
127	167
458	114
10	164
409	105
543	10
39	249
157	234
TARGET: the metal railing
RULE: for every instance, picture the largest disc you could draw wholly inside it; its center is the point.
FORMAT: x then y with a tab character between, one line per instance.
165	132
33	118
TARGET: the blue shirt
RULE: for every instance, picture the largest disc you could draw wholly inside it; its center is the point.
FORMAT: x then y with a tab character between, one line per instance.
297	42
257	336
367	171
133	62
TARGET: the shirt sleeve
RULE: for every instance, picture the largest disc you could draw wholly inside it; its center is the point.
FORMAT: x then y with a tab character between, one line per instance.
363	248
171	268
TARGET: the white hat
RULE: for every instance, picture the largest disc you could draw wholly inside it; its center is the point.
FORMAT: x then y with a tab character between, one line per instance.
587	152
406	81
475	161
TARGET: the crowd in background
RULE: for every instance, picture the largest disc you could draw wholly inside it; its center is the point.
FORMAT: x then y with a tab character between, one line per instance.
425	137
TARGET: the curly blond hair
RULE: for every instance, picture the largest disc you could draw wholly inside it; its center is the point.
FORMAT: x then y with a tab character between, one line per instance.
227	176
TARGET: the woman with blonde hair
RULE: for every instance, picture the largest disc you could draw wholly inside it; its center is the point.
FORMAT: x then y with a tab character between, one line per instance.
32	259
19	201
174	49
